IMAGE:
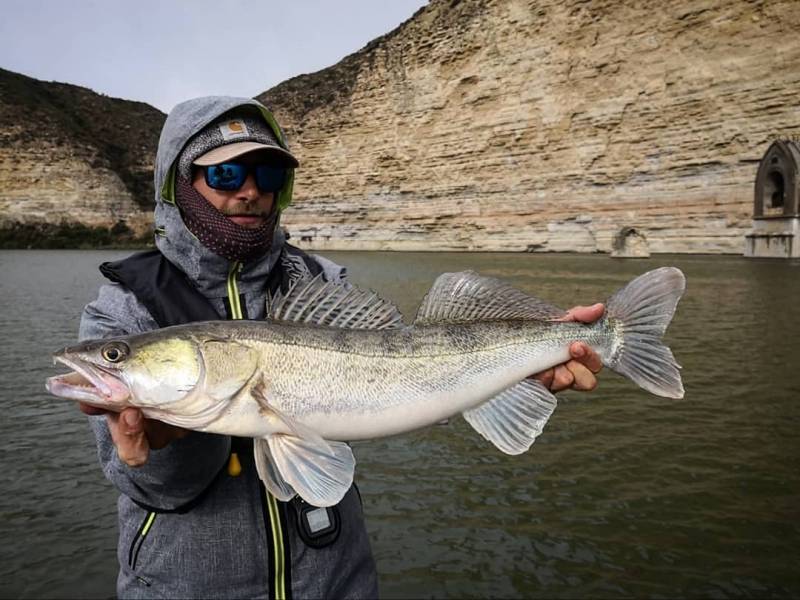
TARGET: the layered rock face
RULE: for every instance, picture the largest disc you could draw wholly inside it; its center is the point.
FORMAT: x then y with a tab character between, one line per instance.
545	126
71	156
476	125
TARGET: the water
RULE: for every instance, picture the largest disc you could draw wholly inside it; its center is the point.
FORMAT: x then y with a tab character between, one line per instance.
624	494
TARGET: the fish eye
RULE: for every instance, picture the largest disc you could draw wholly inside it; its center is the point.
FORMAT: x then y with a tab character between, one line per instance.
115	352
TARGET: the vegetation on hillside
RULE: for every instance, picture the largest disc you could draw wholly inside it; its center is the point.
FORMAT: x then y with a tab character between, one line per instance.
115	134
70	235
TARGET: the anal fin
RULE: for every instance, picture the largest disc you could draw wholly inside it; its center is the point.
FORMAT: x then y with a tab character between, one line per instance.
515	417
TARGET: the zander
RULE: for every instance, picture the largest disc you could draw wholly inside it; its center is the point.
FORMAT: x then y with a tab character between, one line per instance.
334	364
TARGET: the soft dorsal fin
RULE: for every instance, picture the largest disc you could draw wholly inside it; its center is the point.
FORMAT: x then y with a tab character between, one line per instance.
319	302
467	296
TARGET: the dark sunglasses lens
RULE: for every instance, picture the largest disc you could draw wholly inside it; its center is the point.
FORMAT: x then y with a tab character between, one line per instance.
270	179
227	176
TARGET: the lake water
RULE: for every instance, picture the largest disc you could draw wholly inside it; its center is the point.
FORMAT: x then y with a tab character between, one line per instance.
624	494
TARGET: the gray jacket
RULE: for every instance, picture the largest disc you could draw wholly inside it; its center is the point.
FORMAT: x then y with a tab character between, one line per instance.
186	527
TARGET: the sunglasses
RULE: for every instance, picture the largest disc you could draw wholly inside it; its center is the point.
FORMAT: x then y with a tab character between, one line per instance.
230	176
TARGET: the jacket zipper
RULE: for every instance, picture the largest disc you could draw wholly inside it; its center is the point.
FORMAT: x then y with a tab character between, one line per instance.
138	540
275	531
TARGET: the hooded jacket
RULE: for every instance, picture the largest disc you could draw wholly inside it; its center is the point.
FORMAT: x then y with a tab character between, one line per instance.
187	528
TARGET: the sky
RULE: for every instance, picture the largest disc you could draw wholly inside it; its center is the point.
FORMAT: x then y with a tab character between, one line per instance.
165	51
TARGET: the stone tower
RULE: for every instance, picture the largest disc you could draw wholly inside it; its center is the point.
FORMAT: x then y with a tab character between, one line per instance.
776	209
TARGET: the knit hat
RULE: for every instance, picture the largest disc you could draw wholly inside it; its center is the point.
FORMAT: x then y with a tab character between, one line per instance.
228	137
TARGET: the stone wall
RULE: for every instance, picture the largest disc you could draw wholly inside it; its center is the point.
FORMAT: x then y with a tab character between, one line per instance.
545	126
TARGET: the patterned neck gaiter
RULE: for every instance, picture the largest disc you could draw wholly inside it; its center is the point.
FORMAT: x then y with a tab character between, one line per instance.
216	231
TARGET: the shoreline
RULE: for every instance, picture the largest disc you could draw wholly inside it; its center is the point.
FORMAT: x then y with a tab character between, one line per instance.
150	246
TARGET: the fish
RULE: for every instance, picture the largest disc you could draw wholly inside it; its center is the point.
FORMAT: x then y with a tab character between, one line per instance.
333	363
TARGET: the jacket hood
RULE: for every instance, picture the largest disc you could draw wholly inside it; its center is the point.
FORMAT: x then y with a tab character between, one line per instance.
208	271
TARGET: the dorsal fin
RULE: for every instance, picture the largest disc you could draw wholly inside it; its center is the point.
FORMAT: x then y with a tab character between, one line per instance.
467	296
319	302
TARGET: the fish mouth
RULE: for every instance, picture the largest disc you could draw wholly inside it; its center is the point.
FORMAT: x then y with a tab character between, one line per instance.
88	383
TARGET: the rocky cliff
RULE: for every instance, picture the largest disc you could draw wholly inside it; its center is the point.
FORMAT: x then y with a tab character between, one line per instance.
546	125
73	163
538	125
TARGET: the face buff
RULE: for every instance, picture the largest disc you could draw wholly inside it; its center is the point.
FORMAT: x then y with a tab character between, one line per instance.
216	231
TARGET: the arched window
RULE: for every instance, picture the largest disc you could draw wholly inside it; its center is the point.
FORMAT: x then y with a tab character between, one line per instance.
776	189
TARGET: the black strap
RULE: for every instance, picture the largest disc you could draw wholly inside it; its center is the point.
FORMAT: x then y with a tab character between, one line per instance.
162	288
169	296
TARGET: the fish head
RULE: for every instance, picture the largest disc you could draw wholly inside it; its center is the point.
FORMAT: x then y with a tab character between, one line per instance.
146	371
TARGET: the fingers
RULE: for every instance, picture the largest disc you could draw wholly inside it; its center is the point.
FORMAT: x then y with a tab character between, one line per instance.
545	378
579	372
159	434
562	378
128	434
585	314
134	436
88	409
583	379
585	365
575	374
584	354
556	379
572	375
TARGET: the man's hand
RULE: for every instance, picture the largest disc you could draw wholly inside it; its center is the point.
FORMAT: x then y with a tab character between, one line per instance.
579	372
133	435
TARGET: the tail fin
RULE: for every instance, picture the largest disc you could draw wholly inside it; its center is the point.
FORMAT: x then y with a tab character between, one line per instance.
641	311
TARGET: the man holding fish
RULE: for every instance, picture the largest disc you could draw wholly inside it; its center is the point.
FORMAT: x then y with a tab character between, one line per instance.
195	519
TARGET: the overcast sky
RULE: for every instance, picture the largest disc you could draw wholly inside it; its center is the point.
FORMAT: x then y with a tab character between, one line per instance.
165	51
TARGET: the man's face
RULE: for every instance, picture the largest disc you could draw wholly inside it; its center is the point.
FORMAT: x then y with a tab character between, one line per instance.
247	206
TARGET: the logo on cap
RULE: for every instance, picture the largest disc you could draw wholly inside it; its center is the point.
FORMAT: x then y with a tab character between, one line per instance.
233	129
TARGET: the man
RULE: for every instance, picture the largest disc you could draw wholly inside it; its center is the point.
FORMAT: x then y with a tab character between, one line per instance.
194	518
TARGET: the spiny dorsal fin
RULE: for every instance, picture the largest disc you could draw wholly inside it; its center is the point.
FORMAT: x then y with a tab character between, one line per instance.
319	302
466	296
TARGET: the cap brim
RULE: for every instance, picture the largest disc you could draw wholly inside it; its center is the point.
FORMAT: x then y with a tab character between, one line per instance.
237	149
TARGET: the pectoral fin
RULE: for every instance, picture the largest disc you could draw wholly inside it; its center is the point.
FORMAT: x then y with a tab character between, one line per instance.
515	417
301	461
321	477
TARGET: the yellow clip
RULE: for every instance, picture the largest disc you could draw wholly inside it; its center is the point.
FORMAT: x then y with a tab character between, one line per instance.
234	466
